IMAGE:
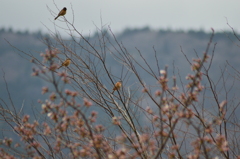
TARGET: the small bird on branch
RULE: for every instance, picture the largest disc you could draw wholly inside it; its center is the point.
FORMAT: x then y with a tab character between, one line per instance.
117	86
66	63
62	12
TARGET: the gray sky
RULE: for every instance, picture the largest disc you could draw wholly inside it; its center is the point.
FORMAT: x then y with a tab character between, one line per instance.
119	14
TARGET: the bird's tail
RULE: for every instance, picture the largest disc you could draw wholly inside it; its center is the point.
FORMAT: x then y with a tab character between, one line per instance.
59	67
56	17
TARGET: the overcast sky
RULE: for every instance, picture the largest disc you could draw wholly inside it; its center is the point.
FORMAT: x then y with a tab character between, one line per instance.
34	15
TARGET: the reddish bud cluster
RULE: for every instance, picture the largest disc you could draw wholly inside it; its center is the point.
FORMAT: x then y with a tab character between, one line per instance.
87	103
116	121
49	54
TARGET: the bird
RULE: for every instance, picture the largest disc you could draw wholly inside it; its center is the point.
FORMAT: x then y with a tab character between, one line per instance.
117	86
62	12
66	63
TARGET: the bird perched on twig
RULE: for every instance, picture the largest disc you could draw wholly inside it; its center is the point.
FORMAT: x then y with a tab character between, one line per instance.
62	12
117	86
66	63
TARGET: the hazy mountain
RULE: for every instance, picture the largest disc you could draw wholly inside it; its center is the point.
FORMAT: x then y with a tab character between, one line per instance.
17	69
167	44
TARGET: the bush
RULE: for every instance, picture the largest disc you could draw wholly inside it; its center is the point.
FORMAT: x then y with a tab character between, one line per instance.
83	117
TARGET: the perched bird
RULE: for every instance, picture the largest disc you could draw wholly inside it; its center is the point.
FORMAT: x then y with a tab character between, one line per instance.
66	63
117	86
62	12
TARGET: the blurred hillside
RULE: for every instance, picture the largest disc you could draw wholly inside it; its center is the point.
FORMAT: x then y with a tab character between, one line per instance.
17	69
167	44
